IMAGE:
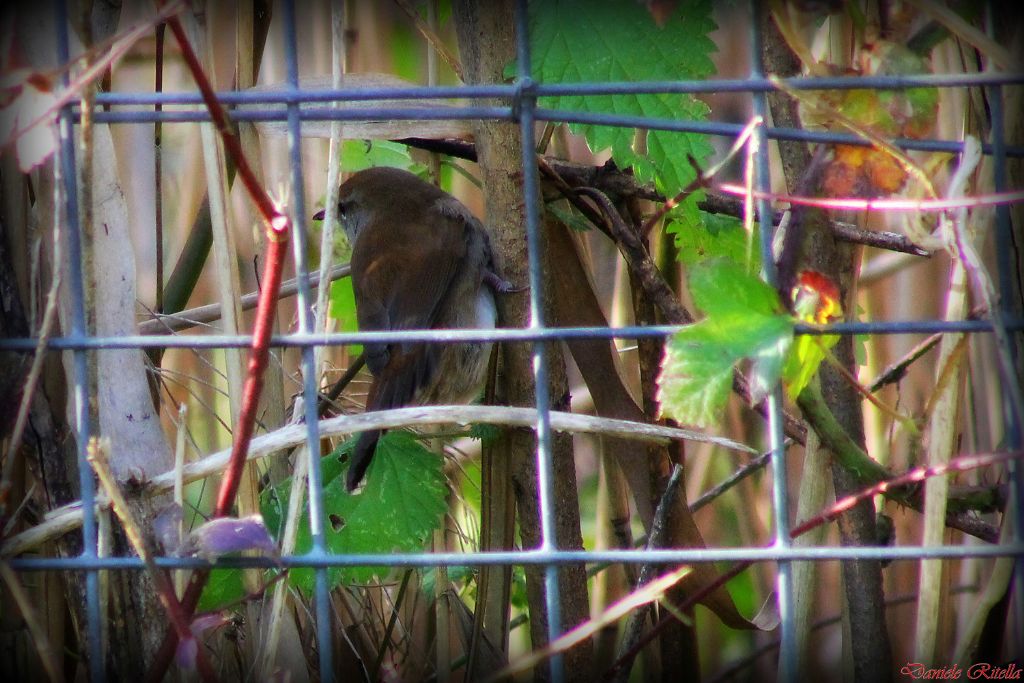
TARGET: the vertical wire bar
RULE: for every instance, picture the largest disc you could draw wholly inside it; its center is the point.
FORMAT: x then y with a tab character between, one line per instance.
1004	265
1004	250
525	104
83	428
305	316
788	656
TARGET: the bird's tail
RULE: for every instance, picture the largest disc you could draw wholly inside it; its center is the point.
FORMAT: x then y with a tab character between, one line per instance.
361	457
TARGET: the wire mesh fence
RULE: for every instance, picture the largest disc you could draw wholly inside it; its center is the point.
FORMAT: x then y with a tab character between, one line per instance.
518	102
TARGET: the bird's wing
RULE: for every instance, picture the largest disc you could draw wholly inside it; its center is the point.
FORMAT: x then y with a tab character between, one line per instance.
404	291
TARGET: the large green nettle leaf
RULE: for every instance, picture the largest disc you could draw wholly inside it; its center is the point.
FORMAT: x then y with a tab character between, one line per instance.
401	505
576	41
743	321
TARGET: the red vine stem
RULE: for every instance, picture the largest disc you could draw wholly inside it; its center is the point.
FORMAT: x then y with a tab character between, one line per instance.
919	474
277	227
857	204
960	464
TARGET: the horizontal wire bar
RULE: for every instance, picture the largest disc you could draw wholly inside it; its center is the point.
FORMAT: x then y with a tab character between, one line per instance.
736	85
314	114
298	340
734	129
538	557
557	115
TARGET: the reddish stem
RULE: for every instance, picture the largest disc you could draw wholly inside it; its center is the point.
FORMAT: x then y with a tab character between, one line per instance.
916	475
260	354
278	227
232	145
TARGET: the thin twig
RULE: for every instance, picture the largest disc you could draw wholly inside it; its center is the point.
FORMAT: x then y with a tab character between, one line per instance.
116	48
960	464
44	649
703	177
386	638
328	399
649	277
881	204
183	320
435	41
969	34
97	456
656	539
642	596
158	167
736	477
621	185
31	380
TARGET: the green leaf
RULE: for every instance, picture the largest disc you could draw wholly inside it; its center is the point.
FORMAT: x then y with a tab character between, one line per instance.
696	374
743	322
714	235
343	309
487	433
401	505
224	587
723	286
578	41
802	364
569	215
357	155
457	574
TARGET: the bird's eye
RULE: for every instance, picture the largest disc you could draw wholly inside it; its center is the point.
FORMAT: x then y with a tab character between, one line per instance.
343	208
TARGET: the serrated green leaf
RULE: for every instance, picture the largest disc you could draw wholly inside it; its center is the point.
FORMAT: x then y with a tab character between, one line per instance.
721	286
487	433
696	374
610	40
401	505
714	235
744	321
687	215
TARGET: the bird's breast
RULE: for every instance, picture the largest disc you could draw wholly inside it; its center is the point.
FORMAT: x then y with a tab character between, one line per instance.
462	368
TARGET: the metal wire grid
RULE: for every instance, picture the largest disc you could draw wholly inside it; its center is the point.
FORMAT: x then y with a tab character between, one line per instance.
523	95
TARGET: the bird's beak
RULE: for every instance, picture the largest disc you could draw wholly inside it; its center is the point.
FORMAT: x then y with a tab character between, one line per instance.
319	215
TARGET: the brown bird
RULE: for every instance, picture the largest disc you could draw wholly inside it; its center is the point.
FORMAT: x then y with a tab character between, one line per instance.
420	260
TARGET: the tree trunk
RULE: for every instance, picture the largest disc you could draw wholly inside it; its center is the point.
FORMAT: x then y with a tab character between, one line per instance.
486	42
